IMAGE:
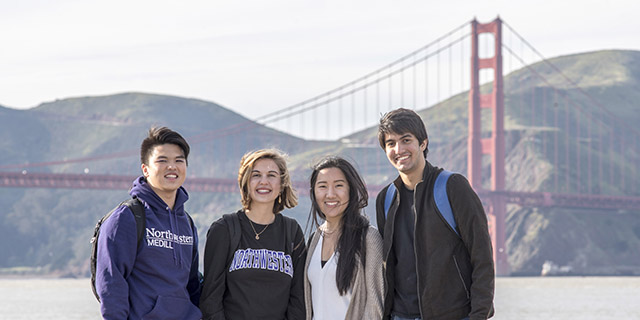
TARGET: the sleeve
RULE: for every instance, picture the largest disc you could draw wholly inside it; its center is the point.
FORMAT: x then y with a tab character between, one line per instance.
215	271
194	287
374	276
474	230
296	309
116	254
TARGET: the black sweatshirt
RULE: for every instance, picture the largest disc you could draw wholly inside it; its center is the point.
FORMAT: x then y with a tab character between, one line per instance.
262	281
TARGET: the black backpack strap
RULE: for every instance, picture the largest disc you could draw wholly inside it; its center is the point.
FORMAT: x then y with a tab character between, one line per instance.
291	228
233	225
137	209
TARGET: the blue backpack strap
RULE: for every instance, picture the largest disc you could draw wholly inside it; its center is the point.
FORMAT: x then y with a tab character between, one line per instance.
388	198
442	199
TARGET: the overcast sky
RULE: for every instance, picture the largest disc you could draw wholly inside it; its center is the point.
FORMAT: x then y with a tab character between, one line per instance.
259	56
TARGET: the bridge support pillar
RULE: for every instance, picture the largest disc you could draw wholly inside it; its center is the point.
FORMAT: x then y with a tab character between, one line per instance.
477	146
497	218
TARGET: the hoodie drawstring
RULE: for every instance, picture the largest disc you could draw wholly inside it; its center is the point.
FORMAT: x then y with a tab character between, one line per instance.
177	248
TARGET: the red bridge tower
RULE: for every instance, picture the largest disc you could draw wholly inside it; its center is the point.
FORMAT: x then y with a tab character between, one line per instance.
493	146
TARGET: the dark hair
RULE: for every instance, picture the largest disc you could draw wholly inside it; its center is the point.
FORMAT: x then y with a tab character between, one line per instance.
354	224
159	136
400	121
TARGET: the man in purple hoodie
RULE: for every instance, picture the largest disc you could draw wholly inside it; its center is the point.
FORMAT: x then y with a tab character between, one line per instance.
159	278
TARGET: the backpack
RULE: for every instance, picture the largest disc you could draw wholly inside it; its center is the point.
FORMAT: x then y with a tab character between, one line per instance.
439	195
137	209
138	213
233	224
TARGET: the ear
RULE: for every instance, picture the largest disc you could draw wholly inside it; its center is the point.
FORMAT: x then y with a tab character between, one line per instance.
145	171
424	143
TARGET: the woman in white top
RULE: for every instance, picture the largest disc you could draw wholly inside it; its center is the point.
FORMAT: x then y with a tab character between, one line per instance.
343	270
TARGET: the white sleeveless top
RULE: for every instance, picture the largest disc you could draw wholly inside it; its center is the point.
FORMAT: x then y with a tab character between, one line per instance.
326	300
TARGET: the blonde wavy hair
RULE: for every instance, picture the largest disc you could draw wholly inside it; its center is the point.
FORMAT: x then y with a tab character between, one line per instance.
287	197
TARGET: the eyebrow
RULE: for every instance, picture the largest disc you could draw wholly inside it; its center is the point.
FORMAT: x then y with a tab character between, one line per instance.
165	157
406	135
258	171
324	181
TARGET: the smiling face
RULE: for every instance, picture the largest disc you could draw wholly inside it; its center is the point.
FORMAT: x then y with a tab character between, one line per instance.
331	192
405	152
165	170
264	182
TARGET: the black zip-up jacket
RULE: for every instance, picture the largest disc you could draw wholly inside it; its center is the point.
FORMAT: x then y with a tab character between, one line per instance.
455	273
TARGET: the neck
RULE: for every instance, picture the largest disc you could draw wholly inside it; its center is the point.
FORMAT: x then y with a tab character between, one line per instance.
332	225
261	213
169	198
411	179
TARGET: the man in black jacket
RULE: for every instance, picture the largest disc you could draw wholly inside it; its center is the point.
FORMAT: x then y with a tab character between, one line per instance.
431	270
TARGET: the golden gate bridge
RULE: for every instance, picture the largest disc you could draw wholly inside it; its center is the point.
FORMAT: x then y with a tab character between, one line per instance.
590	155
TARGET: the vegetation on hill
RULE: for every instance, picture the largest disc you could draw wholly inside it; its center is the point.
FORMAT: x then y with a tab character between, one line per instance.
47	230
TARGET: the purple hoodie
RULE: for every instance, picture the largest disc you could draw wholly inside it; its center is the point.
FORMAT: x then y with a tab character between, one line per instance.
159	280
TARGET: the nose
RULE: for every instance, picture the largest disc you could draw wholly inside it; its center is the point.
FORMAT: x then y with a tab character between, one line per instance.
396	148
331	192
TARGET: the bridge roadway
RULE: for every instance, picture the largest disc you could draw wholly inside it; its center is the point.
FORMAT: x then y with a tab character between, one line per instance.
118	182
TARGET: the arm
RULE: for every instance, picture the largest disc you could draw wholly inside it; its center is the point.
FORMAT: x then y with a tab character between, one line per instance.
215	271
296	308
374	275
311	246
117	249
194	286
474	230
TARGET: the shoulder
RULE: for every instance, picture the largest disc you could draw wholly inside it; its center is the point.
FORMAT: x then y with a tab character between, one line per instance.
288	219
381	195
224	224
291	223
313	241
120	216
457	180
227	219
120	225
458	187
373	237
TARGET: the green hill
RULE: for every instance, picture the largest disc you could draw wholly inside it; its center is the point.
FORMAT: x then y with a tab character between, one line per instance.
47	230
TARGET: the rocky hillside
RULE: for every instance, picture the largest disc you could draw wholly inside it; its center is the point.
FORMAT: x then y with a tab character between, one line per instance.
47	230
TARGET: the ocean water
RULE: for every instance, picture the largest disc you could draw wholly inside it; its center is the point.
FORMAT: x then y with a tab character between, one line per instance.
516	298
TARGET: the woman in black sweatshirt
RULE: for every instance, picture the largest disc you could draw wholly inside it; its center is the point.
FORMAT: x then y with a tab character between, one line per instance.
254	258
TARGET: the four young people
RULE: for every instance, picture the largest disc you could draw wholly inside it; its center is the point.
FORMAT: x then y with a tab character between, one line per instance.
256	262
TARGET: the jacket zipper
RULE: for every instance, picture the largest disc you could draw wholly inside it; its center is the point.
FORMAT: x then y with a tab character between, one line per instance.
415	253
461	278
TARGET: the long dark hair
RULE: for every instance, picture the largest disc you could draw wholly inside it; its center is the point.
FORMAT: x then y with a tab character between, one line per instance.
354	224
